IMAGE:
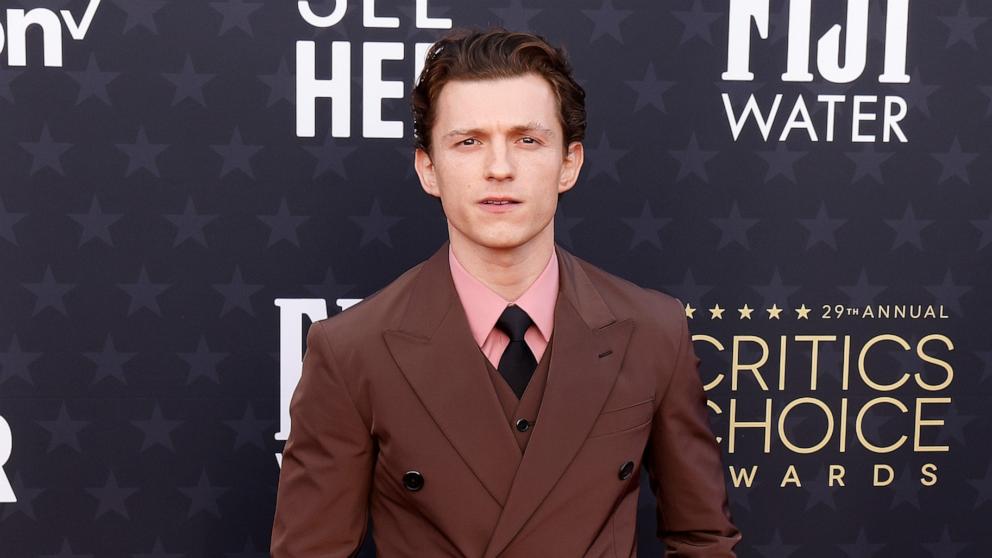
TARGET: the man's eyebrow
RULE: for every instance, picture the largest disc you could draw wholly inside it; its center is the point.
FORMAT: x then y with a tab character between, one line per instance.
528	127
534	127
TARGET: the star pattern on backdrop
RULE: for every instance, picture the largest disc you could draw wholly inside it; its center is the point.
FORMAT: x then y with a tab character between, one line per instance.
646	227
111	497
142	154
143	293
916	93
331	156
248	429
190	224
96	224
109	361
156	430
781	162
236	155
27	496
46	153
908	229
6	77
733	228
692	160
696	22
949	292
235	14
822	228
775	290
650	90
140	13
954	163
946	546
204	496
984	226
606	20
283	225
776	547
237	293
16	362
93	82
603	159
515	16
7	221
281	84
961	26
862	293
375	225
64	430
203	362
861	546
329	288
868	163
49	293
188	83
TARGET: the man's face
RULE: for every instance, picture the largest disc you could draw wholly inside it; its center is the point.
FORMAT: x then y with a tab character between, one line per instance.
498	140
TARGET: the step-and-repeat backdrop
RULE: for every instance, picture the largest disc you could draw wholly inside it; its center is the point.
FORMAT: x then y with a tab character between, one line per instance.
185	186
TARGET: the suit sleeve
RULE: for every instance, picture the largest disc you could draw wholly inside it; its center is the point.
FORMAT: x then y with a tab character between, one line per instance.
684	466
322	501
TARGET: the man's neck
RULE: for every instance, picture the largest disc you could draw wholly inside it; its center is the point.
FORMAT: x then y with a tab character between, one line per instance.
509	273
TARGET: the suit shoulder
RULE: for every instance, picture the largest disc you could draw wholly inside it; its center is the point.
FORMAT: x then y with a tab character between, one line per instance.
381	308
633	300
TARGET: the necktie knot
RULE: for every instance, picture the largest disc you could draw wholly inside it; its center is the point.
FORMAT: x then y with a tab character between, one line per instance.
514	322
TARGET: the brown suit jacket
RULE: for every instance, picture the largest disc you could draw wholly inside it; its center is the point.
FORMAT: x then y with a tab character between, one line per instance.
395	384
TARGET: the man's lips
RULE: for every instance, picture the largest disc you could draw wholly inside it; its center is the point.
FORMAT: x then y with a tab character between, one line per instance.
499	201
498	205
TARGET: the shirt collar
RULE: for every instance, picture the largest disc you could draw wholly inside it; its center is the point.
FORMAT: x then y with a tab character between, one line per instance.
483	306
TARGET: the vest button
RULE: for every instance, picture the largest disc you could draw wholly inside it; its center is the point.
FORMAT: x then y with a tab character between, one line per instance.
413	481
523	425
626	469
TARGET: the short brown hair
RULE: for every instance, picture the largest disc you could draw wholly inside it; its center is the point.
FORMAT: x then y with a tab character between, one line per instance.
496	53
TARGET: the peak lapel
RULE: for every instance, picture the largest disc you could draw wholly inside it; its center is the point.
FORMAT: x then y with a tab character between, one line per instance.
439	358
582	372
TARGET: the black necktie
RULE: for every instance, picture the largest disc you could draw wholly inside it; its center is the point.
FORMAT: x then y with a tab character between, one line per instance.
517	363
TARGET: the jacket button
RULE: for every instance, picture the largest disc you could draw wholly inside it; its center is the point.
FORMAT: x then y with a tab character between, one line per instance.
523	425
413	481
626	469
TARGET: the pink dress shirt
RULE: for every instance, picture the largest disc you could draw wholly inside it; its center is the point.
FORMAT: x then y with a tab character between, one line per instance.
483	307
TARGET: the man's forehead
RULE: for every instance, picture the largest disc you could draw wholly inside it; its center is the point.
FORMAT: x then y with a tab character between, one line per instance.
520	102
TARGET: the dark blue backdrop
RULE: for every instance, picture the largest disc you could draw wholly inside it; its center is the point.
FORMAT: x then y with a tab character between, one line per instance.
156	200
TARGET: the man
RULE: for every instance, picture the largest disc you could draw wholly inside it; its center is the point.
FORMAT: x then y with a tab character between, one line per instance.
498	398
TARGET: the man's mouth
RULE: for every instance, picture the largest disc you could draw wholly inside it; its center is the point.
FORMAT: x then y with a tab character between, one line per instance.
498	202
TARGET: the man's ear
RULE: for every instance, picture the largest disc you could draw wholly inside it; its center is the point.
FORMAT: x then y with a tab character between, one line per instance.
571	165
425	171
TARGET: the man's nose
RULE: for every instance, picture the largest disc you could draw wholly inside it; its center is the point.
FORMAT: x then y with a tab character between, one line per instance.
499	164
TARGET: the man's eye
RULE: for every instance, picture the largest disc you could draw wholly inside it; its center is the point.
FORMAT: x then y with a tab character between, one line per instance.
468	141
528	140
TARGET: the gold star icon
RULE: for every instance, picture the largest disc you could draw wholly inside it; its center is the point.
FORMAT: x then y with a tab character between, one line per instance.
745	312
773	312
803	312
716	313
689	311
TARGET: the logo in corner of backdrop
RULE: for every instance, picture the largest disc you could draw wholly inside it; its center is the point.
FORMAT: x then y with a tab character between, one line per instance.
872	118
14	32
